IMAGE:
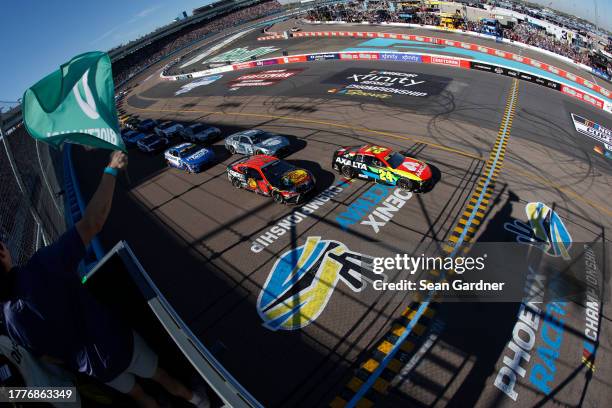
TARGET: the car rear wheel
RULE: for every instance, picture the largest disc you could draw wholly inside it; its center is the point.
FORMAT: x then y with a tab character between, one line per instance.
348	171
232	149
278	198
236	183
408	185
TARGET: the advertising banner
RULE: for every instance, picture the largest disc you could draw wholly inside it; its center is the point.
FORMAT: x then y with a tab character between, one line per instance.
593	130
443	60
481	66
568	90
296	58
273	61
323	57
396	56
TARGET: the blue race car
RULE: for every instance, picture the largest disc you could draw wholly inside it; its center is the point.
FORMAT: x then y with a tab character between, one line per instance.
152	143
147	125
131	137
188	157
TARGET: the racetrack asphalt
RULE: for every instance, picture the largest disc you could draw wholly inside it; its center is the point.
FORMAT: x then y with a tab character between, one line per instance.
194	234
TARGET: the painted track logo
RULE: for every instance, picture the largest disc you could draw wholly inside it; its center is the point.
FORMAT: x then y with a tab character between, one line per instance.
88	106
546	230
303	279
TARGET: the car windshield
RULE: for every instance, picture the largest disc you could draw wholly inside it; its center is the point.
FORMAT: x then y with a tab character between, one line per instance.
258	137
275	170
395	159
167	125
198	128
189	151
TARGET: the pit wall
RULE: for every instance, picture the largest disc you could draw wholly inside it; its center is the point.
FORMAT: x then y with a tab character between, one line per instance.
544	79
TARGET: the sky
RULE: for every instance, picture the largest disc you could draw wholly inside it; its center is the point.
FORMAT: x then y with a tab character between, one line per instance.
36	36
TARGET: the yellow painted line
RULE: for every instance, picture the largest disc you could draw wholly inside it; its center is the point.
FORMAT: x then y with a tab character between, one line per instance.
409	313
370	365
385	347
476	221
398	330
447	248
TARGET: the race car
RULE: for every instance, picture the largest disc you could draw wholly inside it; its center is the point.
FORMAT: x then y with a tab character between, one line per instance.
131	137
382	165
147	125
188	157
152	143
272	177
200	132
131	123
256	141
168	129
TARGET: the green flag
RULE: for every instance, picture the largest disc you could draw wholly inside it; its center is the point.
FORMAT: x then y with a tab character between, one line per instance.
75	104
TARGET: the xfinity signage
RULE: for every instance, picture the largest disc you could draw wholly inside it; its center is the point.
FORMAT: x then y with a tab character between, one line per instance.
396	56
388	82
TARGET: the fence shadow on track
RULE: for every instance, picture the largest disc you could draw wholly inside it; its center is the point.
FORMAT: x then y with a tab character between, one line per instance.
217	299
195	286
192	284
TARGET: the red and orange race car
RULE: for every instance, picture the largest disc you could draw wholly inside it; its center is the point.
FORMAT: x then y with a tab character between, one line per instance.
271	177
383	165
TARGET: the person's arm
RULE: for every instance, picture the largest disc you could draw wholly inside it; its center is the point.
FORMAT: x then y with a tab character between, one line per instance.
6	262
100	204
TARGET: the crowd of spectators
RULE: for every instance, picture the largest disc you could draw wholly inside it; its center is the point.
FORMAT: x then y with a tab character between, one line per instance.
532	35
376	12
354	12
128	66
